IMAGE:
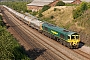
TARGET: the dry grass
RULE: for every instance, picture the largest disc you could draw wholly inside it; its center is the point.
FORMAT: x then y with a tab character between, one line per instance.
62	15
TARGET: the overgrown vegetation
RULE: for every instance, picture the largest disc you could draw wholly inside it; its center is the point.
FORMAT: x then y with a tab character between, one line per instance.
80	10
9	48
18	6
45	7
60	3
40	14
69	4
1	23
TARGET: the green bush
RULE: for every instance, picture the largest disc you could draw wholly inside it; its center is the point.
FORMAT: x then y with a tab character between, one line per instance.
89	5
34	13
0	17
60	3
45	7
52	17
1	23
80	10
9	47
77	13
55	9
83	6
69	4
40	15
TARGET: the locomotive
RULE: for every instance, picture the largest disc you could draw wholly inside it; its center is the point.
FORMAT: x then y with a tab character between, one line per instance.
67	38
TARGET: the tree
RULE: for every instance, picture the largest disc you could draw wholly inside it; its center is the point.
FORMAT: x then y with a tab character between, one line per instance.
40	15
83	6
80	10
45	7
60	3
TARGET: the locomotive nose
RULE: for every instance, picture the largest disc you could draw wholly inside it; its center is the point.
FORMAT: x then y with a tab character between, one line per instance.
74	43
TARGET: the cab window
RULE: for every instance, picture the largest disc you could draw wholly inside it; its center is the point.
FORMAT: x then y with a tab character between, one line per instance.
77	37
72	37
68	37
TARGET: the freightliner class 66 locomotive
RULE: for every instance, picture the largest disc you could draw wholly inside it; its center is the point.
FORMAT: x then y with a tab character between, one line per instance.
68	38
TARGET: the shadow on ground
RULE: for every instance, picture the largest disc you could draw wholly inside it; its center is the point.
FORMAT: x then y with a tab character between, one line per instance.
81	44
34	53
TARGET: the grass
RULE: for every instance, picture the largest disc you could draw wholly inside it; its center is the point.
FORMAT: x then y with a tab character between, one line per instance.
60	14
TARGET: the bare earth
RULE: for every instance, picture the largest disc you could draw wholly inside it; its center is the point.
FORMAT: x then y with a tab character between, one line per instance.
85	49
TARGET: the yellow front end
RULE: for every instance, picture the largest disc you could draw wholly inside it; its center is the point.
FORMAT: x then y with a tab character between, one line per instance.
74	40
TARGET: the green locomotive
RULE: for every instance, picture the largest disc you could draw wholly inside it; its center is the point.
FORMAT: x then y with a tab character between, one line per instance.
65	37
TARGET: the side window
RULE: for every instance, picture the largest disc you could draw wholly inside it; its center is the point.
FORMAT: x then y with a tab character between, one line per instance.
62	36
72	37
68	37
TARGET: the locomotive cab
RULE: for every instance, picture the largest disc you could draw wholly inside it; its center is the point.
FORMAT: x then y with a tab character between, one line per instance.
74	40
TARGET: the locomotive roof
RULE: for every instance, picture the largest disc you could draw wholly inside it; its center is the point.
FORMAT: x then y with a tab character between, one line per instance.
58	29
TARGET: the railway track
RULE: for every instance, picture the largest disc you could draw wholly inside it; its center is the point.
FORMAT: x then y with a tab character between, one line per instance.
82	53
48	46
